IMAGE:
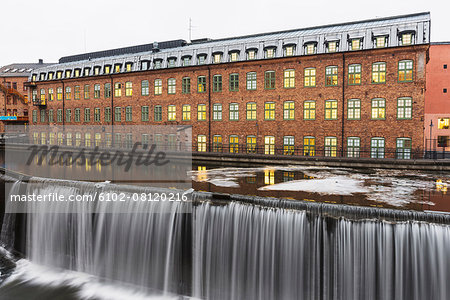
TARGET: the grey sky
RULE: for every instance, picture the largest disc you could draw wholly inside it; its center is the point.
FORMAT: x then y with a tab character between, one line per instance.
50	29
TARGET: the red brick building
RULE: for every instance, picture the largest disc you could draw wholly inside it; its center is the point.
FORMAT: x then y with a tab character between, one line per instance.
353	89
14	92
437	98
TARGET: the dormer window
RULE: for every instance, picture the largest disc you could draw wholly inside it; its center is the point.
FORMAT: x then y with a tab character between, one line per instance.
144	65
68	73
217	58
117	68
332	46
289	50
380	41
107	69
42	76
86	71
251	54
171	62
270	52
201	59
234	56
96	70
50	75
310	48
33	78
355	44
157	64
406	39
77	72
59	74
128	67
186	61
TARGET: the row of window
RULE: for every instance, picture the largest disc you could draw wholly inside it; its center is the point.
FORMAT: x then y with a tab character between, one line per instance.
309	48
378	111
405	74
377	146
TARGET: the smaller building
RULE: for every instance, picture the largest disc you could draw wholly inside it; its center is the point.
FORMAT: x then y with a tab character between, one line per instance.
14	92
437	101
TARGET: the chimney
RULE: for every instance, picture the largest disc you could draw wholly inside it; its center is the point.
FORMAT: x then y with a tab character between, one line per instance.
155	47
41	61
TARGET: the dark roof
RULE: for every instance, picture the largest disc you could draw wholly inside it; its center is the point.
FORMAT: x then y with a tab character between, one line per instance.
440	43
20	70
121	51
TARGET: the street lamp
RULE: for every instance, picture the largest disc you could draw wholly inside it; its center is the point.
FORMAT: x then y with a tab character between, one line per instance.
431	129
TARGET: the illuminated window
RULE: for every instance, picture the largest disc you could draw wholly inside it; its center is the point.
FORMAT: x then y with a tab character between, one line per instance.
128	88
97	91
309	146
86	71
405	70
251	144
117	89
270	53
68	73
355	44
443	123
107	69
217	143
68	93
86	91
234	144
251	54
251	111
269	111
377	148
403	150
407	39
251	81
87	143
354	109
201	112
201	84
310	48
378	109
234	112
117	68
186	116
331	47
379	72
289	78
51	95
269	145
217	112
50	76
186	85
172	113
234	82
201	143
330	109
288	110
354	74
158	86
331	76
404	108
380	41
309	110
288	145
59	74
217	58
269	80
217	83
171	86
353	146
269	176
97	71
145	91
310	77
289	50
330	146
234	56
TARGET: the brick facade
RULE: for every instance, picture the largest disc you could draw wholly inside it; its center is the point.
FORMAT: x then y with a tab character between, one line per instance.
365	128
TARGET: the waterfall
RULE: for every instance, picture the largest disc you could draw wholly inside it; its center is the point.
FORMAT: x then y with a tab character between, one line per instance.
241	247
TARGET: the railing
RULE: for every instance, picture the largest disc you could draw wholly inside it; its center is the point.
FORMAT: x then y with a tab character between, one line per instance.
401	153
39	102
437	148
14	92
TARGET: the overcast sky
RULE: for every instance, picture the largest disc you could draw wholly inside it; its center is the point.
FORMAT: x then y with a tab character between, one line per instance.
49	29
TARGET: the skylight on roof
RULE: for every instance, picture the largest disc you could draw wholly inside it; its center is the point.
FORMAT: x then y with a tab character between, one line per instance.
21	70
29	70
6	70
13	70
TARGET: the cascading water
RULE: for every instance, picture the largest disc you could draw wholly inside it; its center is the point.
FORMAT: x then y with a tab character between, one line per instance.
247	249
